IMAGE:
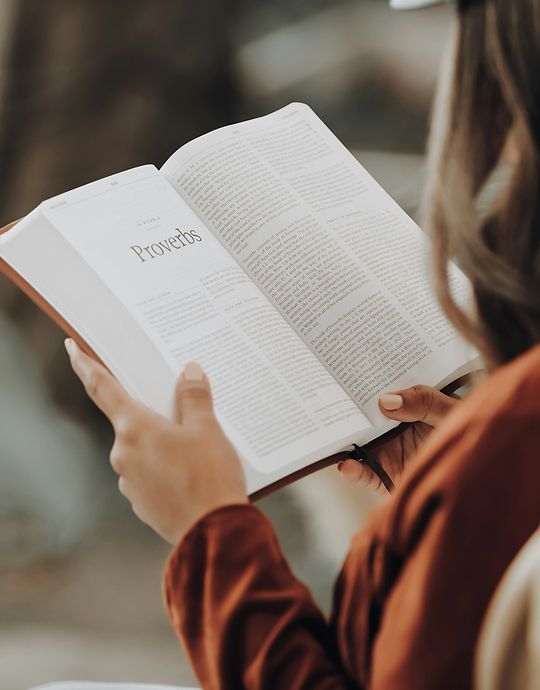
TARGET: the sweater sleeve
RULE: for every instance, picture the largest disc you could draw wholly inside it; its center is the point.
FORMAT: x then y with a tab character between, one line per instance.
420	580
243	618
411	598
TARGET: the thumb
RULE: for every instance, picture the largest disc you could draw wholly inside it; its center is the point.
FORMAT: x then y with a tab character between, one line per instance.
417	404
193	396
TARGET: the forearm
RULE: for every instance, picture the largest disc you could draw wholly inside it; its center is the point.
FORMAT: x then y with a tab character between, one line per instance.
244	619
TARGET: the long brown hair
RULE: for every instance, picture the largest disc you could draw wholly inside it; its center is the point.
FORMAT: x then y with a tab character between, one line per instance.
494	98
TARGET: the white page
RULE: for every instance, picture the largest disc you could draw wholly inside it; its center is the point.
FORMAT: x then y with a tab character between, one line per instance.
191	301
335	254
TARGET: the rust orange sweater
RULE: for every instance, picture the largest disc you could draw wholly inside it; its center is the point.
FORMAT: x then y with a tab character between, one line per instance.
415	585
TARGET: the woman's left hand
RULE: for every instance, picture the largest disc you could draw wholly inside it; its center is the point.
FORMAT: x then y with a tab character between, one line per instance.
422	408
175	472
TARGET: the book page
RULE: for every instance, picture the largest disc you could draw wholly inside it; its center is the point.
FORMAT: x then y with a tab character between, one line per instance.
145	266
335	254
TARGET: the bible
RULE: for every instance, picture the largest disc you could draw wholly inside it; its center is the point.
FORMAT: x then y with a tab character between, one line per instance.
268	254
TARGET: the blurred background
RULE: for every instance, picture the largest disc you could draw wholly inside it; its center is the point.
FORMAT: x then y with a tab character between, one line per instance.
91	87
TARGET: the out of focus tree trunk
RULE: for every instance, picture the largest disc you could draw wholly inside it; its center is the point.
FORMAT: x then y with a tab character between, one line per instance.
96	86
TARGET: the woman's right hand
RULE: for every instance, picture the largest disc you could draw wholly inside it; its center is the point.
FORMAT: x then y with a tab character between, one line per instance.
424	408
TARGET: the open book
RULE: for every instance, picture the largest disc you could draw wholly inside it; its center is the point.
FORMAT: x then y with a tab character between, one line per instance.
265	252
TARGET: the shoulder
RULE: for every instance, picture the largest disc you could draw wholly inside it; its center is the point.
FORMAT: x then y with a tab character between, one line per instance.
512	392
486	457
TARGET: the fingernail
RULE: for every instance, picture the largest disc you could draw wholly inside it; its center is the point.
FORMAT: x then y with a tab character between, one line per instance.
70	346
340	465
193	372
391	401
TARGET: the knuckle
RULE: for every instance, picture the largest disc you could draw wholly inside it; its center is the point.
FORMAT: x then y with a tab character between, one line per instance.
117	460
424	395
122	486
420	390
193	392
351	471
127	431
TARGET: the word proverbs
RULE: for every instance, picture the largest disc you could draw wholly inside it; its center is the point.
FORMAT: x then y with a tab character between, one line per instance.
179	241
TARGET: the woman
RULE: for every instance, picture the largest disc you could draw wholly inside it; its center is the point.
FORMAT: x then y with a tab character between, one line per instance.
414	589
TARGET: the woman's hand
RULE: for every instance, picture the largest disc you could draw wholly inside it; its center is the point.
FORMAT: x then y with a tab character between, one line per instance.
171	472
426	408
